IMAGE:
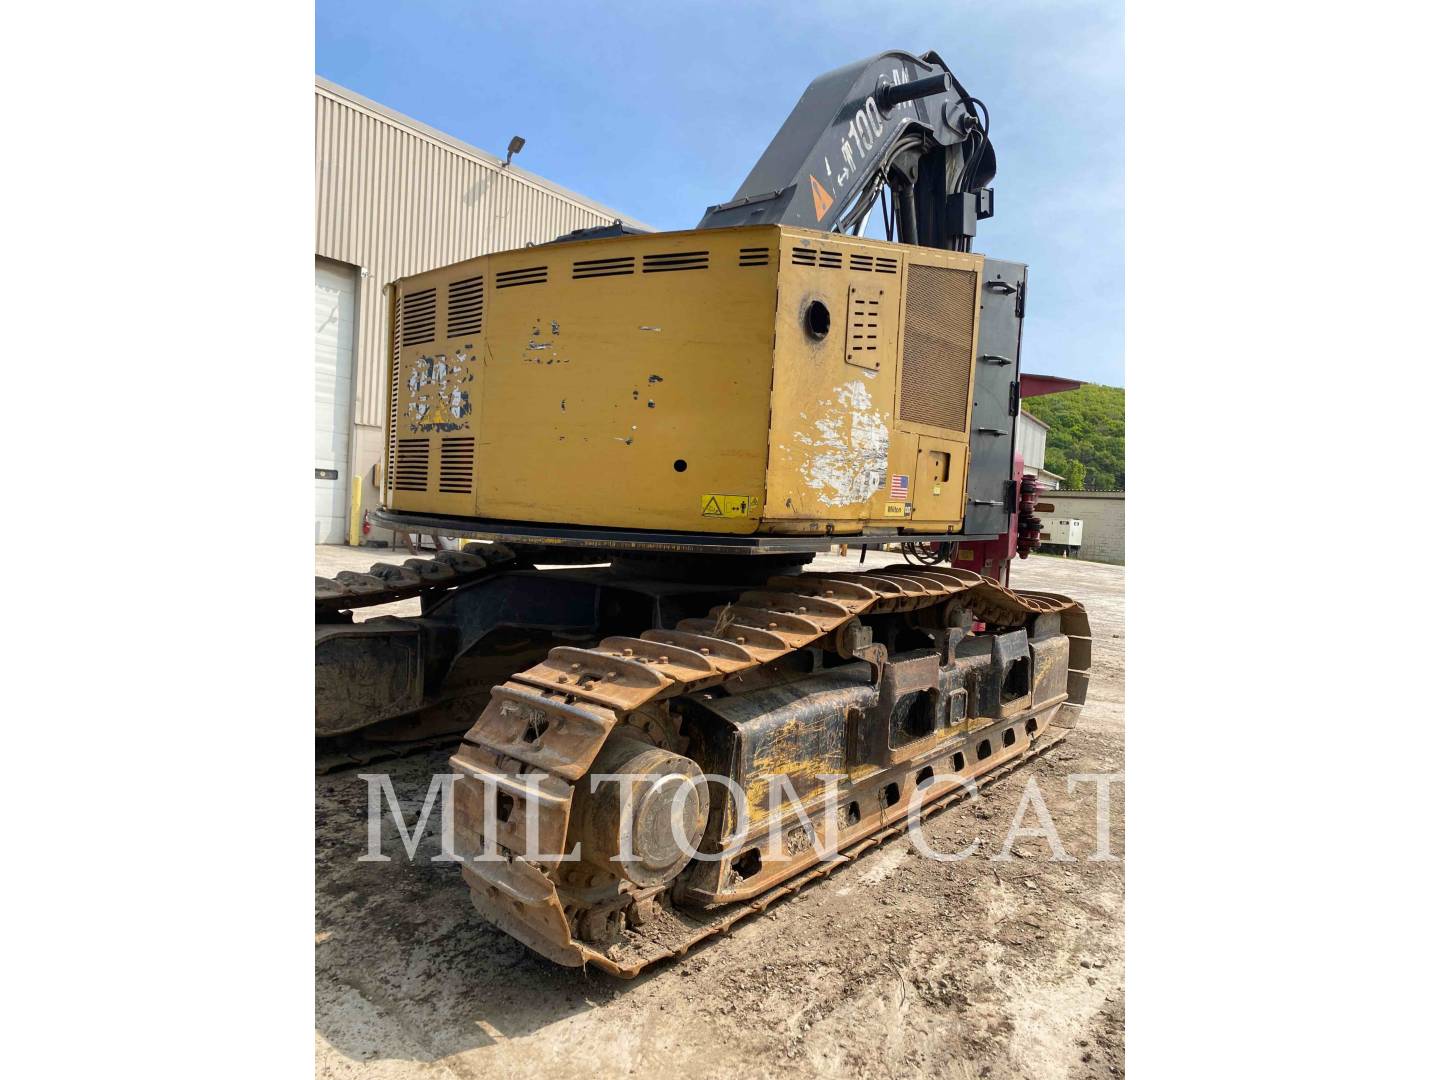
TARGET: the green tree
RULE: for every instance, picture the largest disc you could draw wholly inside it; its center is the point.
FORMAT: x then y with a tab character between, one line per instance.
1087	428
1075	478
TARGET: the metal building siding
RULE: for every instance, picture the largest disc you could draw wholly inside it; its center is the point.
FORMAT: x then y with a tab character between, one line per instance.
395	198
1030	440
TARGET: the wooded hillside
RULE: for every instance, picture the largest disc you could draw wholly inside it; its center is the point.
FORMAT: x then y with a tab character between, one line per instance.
1086	444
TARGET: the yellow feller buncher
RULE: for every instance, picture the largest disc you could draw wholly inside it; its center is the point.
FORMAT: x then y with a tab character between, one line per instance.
673	425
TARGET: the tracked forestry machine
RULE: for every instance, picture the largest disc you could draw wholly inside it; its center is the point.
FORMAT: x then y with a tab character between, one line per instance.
695	415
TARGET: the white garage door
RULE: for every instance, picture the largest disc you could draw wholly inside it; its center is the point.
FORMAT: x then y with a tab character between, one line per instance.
334	392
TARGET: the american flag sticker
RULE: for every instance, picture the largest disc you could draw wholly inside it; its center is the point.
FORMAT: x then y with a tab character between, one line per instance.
899	487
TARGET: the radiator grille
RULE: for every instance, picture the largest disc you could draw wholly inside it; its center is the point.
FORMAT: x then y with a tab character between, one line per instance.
529	275
680	260
593	268
457	465
412	464
418	322
465	307
939	345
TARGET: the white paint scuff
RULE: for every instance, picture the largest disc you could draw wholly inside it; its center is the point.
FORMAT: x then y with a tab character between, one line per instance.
848	452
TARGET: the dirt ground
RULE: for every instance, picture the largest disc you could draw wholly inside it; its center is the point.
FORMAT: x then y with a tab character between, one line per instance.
895	966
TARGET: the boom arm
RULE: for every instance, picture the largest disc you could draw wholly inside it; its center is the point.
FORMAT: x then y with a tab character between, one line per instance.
895	120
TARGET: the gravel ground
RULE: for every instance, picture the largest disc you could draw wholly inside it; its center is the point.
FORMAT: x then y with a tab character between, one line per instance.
897	965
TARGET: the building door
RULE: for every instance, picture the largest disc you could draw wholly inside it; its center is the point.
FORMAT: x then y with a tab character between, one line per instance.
334	395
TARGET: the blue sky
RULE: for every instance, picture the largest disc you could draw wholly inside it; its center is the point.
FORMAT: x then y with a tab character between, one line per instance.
659	110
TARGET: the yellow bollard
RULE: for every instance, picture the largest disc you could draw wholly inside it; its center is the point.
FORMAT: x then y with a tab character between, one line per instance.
355	513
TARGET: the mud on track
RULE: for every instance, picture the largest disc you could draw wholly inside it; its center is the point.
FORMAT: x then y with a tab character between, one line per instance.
894	966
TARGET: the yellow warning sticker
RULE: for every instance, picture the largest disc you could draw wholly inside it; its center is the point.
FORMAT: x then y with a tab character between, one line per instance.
728	506
965	554
894	509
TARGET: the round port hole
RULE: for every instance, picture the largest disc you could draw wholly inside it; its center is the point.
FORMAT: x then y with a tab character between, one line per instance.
817	319
681	465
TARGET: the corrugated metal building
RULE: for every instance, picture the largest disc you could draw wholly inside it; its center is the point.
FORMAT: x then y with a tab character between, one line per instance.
394	197
1030	439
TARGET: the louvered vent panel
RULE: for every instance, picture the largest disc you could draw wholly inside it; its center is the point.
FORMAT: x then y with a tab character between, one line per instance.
884	265
530	275
465	307
593	268
862	328
457	465
418	321
412	464
754	256
862	262
939	343
679	260
814	257
392	427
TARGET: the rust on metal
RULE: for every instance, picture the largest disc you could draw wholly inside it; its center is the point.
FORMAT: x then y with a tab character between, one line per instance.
387	582
742	669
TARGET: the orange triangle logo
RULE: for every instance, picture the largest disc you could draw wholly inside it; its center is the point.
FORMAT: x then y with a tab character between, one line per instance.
822	198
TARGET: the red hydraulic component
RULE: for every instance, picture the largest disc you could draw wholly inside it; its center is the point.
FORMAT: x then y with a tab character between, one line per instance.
1028	525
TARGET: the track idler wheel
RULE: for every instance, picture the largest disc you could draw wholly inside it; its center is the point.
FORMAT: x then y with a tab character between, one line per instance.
630	827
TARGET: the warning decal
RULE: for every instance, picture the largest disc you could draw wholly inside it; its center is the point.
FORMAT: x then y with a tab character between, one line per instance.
727	506
822	198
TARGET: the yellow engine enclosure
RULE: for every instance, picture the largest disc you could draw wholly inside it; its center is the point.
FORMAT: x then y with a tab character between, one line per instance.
688	381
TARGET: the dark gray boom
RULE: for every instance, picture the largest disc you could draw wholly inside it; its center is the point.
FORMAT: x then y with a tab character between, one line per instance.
893	119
